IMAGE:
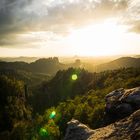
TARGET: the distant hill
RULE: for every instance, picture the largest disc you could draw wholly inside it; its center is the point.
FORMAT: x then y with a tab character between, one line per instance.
22	58
123	62
42	66
137	56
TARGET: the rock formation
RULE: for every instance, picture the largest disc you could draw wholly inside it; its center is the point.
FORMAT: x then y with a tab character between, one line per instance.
120	102
125	129
123	102
77	131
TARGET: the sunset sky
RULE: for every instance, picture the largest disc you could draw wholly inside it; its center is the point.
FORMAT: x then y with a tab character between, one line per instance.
69	27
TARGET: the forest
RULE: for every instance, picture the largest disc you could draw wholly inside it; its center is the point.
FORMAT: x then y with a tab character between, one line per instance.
36	106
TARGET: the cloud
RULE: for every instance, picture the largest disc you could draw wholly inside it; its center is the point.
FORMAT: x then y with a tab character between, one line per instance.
19	17
132	16
135	27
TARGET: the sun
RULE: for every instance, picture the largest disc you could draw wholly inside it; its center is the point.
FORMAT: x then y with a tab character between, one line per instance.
97	39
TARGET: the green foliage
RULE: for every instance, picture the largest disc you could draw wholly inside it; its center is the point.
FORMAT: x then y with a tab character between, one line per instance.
31	79
59	100
62	87
87	94
97	116
52	129
49	113
43	132
12	103
88	109
22	131
45	127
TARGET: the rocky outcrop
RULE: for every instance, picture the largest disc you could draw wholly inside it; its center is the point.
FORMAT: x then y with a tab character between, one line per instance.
125	129
123	102
77	131
119	103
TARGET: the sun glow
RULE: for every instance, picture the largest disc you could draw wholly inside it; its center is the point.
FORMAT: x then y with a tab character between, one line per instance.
98	39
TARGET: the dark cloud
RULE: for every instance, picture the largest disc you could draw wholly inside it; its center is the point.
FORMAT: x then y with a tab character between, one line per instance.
22	16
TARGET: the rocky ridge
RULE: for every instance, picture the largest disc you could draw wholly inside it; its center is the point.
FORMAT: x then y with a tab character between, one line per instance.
121	103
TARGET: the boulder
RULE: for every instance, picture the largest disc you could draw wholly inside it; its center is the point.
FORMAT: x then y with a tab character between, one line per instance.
123	102
77	131
125	129
123	109
132	96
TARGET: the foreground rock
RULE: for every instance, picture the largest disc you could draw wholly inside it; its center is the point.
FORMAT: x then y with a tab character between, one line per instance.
77	131
119	104
125	129
123	102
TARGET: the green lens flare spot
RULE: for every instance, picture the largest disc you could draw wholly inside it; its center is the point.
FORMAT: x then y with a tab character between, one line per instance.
74	77
52	115
43	132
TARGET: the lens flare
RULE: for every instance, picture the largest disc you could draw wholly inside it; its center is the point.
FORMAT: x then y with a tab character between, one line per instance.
74	77
43	132
52	115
